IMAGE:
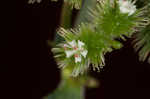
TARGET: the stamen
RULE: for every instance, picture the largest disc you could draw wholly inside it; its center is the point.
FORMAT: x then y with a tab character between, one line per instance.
65	47
75	48
81	49
76	55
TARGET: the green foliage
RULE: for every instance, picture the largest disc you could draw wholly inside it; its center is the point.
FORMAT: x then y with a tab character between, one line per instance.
98	36
97	45
143	43
67	90
83	15
142	38
113	23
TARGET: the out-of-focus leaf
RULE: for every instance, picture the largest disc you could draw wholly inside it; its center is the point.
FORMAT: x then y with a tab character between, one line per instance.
67	90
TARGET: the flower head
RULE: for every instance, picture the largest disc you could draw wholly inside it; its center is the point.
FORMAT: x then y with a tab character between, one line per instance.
75	49
127	6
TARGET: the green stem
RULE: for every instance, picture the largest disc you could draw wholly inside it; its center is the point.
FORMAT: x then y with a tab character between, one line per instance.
66	16
83	14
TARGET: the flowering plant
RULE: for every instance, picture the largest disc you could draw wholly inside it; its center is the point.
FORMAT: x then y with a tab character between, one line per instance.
97	33
77	49
90	42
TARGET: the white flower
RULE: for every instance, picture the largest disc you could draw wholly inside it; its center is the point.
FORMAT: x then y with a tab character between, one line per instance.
127	6
75	49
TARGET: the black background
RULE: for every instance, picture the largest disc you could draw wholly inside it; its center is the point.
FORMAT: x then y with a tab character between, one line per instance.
28	70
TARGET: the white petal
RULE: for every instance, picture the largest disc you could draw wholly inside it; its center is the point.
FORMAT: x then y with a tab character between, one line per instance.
80	44
124	10
127	7
125	4
131	12
84	53
77	59
69	53
66	45
72	43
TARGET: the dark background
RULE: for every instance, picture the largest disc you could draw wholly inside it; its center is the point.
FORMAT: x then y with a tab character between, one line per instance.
28	70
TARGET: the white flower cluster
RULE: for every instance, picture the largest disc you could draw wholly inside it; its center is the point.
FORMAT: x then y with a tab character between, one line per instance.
75	49
127	6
